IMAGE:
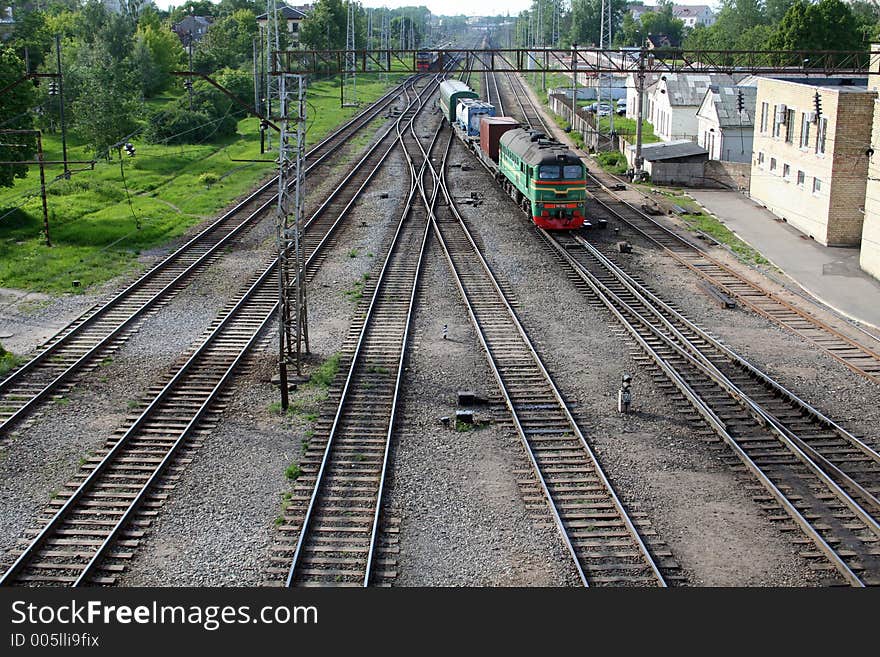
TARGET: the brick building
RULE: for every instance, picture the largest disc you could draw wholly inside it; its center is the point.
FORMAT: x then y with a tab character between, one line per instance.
869	257
809	167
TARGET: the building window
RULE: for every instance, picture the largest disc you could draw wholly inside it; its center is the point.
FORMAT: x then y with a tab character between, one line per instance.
789	126
805	130
760	159
820	136
786	171
776	122
801	178
817	185
772	164
764	109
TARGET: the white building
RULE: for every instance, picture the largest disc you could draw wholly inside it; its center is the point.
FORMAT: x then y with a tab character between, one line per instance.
690	15
674	100
723	130
632	95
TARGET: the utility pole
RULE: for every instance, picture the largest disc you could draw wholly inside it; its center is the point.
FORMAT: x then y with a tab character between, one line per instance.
43	185
61	106
273	44
349	95
189	79
574	84
640	95
385	38
293	332
369	37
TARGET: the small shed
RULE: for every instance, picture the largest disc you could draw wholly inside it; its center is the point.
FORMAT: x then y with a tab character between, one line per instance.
678	162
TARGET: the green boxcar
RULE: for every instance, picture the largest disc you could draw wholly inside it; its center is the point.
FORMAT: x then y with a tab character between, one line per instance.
451	91
549	178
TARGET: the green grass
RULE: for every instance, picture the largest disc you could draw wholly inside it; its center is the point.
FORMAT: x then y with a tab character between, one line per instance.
711	226
8	360
293	471
324	375
96	236
355	292
612	161
703	222
627	128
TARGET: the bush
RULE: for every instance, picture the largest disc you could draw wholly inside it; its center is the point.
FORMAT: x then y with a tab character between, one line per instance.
179	125
208	179
8	360
613	161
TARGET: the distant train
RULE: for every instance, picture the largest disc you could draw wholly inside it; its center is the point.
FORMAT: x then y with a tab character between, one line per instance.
543	176
432	60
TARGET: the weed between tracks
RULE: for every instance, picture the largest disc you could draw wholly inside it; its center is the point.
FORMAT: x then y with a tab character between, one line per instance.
8	360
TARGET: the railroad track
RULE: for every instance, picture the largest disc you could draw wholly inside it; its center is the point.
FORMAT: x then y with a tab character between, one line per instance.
335	511
861	358
101	330
825	479
605	545
92	527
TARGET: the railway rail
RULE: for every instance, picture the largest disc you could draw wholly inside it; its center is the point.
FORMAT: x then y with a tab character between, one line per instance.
87	533
858	357
97	332
826	479
863	358
604	543
336	513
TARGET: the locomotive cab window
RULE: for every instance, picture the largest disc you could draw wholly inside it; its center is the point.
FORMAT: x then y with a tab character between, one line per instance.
571	171
549	172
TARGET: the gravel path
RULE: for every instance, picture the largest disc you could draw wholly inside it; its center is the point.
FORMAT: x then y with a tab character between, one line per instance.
462	519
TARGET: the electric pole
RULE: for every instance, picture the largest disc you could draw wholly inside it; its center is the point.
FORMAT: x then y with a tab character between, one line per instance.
349	79
293	332
61	108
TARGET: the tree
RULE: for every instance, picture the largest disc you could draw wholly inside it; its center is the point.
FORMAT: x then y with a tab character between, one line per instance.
105	108
586	20
324	27
826	25
194	7
15	115
31	35
228	42
166	54
662	21
775	10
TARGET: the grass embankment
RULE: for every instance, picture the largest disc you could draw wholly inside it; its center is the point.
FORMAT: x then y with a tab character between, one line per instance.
96	235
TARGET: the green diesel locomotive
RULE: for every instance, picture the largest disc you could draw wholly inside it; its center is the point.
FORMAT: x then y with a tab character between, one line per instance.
545	177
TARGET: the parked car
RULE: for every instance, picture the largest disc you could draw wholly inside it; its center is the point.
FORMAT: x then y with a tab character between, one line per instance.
621	107
602	109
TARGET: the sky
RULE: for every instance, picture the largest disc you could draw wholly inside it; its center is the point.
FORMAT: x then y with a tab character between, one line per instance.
450	7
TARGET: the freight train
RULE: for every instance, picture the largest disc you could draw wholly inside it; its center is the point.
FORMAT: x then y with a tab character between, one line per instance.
543	176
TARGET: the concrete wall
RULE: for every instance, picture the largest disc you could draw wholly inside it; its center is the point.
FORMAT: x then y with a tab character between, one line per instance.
688	174
828	211
731	175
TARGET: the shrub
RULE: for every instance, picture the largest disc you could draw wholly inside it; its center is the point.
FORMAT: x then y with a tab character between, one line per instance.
613	161
8	360
208	179
179	125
